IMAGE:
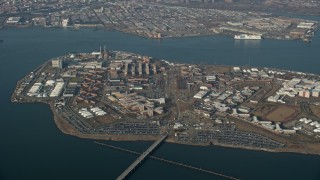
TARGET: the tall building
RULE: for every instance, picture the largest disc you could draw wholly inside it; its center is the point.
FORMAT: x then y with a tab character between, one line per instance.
57	63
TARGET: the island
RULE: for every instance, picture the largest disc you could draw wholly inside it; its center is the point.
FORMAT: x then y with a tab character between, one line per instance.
123	96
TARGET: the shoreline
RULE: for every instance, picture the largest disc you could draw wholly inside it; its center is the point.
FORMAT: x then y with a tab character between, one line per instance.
60	123
67	128
225	34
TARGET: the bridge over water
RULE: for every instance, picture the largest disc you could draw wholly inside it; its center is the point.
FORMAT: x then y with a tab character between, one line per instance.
141	158
149	150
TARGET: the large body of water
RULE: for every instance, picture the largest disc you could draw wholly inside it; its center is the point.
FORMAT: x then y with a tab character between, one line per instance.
32	147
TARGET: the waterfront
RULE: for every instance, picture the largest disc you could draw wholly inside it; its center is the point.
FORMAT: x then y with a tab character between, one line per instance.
32	146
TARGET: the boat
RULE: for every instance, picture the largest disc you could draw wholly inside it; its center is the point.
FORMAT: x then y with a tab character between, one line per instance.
247	36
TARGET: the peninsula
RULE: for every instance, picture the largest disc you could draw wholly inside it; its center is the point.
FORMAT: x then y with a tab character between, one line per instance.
114	95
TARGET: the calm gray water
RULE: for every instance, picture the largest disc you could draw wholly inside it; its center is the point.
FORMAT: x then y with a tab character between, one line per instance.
31	147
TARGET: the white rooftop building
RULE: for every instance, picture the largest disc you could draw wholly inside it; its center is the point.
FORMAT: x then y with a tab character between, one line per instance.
306	25
200	94
57	89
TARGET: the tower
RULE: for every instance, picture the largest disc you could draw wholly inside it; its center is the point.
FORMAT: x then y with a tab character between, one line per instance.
105	53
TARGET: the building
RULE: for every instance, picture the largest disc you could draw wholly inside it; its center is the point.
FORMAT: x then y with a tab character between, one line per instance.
65	22
57	90
114	80
243	109
315	93
306	25
204	88
200	94
305	93
204	113
57	63
210	78
298	32
236	69
137	87
93	65
147	69
274	98
13	20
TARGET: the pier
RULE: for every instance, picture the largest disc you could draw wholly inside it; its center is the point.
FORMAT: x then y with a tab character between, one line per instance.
166	161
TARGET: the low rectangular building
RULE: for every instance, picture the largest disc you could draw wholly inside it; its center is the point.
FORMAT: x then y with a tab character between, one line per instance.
200	94
315	93
306	25
57	63
13	20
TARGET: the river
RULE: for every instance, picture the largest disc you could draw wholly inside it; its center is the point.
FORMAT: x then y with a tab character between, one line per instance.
32	147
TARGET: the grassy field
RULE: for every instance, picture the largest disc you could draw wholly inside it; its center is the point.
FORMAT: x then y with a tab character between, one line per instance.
315	110
218	69
282	114
263	110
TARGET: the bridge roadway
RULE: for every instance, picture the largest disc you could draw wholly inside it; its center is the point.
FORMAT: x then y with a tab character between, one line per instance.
141	158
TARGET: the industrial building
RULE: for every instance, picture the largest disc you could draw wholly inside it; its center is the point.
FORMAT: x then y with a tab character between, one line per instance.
57	63
210	78
13	20
200	94
97	111
57	90
306	25
34	90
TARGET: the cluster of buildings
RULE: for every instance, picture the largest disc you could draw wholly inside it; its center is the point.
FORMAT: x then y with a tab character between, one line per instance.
64	78
57	90
7	7
213	96
216	91
297	5
87	75
304	30
271	126
47	88
156	20
13	20
117	80
91	87
132	68
305	124
297	87
138	104
91	112
275	26
34	90
224	100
